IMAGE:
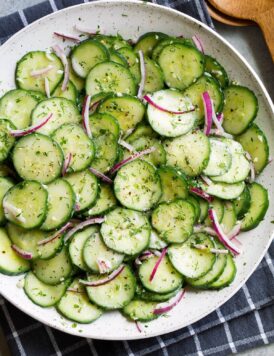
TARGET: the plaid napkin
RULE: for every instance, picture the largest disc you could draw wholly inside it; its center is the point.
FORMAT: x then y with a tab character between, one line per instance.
245	321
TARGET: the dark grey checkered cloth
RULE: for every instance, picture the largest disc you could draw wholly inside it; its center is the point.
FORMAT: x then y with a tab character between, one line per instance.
245	321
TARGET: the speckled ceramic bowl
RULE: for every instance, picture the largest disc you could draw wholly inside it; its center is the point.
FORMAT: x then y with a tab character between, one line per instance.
131	19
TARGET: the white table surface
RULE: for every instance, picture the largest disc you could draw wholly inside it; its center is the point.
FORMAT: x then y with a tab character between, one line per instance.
249	42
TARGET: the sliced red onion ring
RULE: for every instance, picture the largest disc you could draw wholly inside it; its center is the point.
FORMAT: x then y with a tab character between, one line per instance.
22	253
167	308
117	166
138	326
67	37
61	54
103	266
82	225
234	232
220	117
58	233
74	290
66	164
198	43
151	102
100	175
94	106
14	211
203	228
86	30
201	193
76	207
126	145
212	250
206	180
85	113
38	72
47	88
222	133
143	75
157	264
137	261
208	109
252	167
29	130
220	233
103	281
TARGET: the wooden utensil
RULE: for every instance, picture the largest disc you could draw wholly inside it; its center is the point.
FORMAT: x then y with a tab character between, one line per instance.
225	19
259	11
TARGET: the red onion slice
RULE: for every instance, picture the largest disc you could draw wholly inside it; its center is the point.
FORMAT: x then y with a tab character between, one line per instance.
206	229
234	232
56	234
143	74
61	54
220	233
94	106
22	253
47	88
86	30
159	107
208	112
74	290
67	37
198	43
82	225
220	117
221	133
29	130
212	250
100	175
66	164
14	211
167	308
117	166
126	145
103	266
157	264
103	281
38	72
252	167
85	113
201	193
206	180
138	326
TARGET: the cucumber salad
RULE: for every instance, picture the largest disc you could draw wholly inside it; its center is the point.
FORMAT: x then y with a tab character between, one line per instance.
127	173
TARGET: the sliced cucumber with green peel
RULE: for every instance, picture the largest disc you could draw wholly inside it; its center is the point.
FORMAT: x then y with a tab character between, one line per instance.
69	93
229	219
86	55
104	203
181	64
240	109
11	263
132	61
137	185
258	207
242	203
218	207
36	60
102	123
203	209
227	277
192	200
148	41
174	221
255	143
223	190
117	57
168	41
37	157
155	242
140	310
78	82
144	294
213	67
192	262
115	294
220	158
74	141
25	204
126	231
190	152
141	130
168	124
76	306
174	184
106	148
154	79
43	294
5	185
37	95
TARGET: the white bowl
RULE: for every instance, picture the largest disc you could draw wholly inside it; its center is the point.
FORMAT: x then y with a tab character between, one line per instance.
131	19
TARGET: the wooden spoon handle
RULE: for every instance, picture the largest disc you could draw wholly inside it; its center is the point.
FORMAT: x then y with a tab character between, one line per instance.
266	22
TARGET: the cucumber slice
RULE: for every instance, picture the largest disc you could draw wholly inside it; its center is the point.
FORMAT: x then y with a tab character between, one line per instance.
223	190
76	306
36	60
154	77
95	251
155	242
70	93
37	157
166	278
166	124
42	294
104	203
174	221
240	166
86	55
168	41
141	130
76	246
61	201
54	270
73	140
132	61
102	123
126	231
28	240
118	42
117	57
110	77
195	91
140	310
5	185
218	207
192	200
16	106
258	207
106	147
213	67
63	110
203	209
11	264
240	109
85	187
116	293
255	143
78	82
242	203
128	110
189	261
137	185
6	140
37	95
220	158
174	184
181	64
230	218
148	41
144	294
25	204
227	277
190	153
